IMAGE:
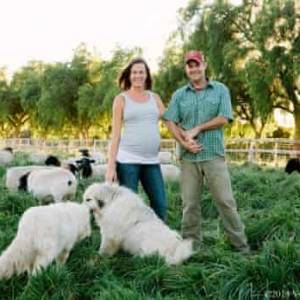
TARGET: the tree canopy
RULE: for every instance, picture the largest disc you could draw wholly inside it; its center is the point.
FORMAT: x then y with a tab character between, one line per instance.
253	48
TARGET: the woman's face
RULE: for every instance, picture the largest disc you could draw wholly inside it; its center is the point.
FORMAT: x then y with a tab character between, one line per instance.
138	75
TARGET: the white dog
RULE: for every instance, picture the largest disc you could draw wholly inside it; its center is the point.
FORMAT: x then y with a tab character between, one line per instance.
127	223
45	233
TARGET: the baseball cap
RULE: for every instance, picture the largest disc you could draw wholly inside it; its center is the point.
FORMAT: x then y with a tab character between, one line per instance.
195	55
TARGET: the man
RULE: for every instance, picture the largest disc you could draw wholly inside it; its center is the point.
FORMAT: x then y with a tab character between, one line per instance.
195	117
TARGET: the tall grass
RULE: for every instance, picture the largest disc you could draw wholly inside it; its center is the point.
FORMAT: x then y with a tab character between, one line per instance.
269	203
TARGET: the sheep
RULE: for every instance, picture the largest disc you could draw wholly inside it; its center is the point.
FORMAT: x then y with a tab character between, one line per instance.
56	183
165	157
69	166
45	159
89	170
292	165
84	166
6	156
170	172
52	160
96	156
13	175
99	170
85	152
45	233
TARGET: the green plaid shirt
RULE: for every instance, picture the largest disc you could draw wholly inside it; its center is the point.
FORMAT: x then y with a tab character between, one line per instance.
189	108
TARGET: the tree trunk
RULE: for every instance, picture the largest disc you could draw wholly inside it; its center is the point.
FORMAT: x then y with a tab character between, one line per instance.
297	121
257	127
85	133
297	126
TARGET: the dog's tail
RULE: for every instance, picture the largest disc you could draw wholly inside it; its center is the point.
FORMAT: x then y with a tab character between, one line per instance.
182	252
16	258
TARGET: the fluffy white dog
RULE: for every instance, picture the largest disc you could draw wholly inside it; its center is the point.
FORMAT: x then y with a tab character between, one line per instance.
127	223
45	233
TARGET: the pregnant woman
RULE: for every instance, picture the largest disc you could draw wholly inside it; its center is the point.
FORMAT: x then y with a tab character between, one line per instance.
133	153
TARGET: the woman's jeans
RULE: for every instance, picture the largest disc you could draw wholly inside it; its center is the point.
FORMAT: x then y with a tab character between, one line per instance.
152	181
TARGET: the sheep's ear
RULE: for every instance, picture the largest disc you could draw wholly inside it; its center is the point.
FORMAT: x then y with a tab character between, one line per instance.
101	203
92	161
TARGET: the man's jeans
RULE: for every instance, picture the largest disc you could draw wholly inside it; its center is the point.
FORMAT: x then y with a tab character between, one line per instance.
152	181
218	181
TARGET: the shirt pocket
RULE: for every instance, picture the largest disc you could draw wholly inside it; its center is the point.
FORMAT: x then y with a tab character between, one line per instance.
187	111
212	108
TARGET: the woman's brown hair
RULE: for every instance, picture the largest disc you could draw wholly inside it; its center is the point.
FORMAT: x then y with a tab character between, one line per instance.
124	79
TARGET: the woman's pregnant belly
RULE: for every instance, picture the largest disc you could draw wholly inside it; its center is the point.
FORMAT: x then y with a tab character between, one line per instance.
144	142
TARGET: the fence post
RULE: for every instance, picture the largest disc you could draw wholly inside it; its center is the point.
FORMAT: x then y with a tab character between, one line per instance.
276	154
251	152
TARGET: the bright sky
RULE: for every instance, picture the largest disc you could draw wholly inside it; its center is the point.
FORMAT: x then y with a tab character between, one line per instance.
49	30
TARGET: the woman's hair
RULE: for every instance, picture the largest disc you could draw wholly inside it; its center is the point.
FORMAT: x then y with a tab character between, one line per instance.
124	79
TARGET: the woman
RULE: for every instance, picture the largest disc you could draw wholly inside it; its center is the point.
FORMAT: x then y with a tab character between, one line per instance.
133	155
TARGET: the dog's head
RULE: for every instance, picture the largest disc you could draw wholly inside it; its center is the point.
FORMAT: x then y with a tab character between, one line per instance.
99	196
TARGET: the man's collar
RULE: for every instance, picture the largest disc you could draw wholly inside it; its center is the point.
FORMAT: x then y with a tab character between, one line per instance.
209	84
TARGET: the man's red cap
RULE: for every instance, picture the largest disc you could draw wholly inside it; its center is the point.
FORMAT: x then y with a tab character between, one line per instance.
194	55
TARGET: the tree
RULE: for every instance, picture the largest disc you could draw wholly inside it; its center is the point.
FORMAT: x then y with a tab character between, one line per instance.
56	107
254	49
278	39
171	71
4	92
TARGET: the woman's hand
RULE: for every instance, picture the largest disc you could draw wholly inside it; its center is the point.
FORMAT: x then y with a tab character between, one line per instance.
111	175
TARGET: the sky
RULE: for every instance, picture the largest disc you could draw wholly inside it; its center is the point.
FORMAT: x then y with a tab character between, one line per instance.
50	30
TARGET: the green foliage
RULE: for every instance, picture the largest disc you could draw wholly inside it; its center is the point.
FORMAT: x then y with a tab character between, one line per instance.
253	48
59	91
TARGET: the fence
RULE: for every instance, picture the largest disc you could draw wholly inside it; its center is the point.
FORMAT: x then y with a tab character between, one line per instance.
269	151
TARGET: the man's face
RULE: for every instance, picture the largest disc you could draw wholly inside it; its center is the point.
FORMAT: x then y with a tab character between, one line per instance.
195	71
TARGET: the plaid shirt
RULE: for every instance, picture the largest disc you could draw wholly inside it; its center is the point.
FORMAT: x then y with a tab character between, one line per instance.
189	108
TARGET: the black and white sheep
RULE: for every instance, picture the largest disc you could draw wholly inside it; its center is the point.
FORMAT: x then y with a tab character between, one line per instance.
13	175
57	183
98	157
88	169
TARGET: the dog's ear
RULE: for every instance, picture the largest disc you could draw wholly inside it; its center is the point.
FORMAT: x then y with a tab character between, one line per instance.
111	190
101	203
115	191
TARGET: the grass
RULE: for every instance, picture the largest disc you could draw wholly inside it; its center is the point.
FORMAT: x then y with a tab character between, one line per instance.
269	203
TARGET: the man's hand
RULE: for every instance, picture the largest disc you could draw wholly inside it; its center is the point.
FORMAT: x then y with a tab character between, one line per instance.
192	146
191	133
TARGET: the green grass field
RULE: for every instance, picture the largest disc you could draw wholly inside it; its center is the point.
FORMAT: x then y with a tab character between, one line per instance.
269	203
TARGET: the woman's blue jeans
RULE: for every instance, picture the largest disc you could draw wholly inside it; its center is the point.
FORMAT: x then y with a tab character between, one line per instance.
152	181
